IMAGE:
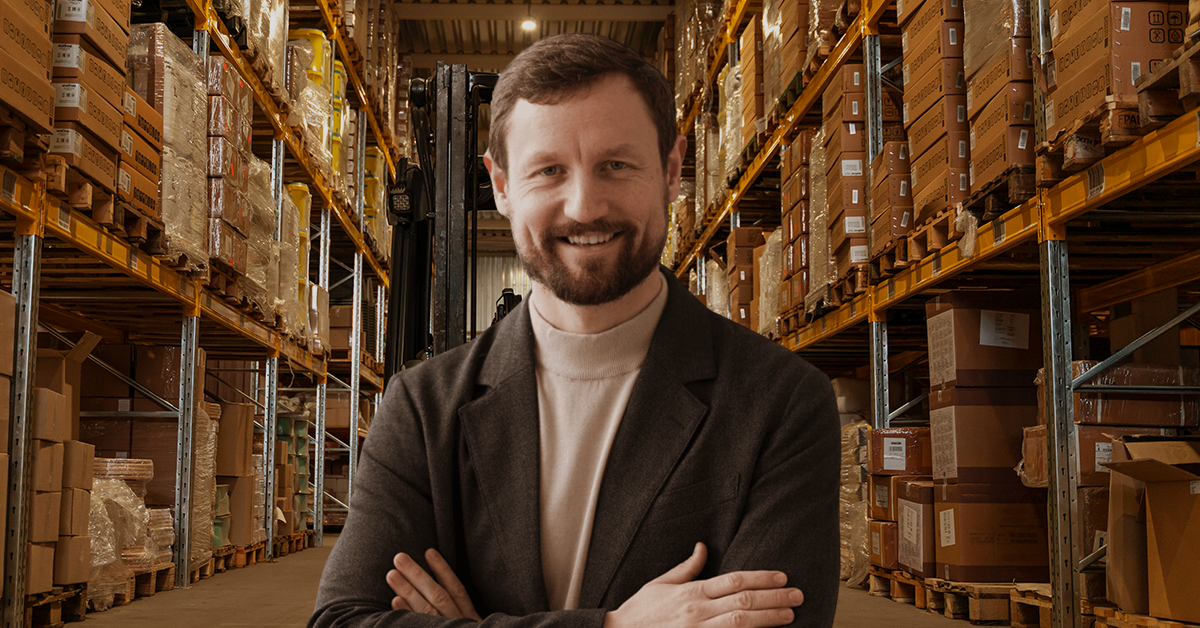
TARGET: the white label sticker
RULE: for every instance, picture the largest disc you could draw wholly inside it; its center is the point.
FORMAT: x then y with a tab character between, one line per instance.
953	36
130	104
76	11
904	221
875	549
1054	25
1049	110
67	141
962	149
126	142
69	56
1095	176
937	263
940	331
998	234
972	143
854	197
856	79
1003	329
124	181
899	7
881	495
1024	139
70	95
946	527
903	188
904	80
1135	71
1195	488
958	80
894	450
911	550
944	442
905	113
852	167
854	107
963	184
962	113
1126	18
1027	114
1103	455
133	258
853	128
970	98
856	224
971	172
859	254
904	150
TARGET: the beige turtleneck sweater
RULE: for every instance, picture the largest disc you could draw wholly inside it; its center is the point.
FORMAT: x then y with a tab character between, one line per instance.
584	382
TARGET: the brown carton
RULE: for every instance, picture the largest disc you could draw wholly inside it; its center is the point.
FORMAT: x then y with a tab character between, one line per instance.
977	432
916	528
77	102
1016	67
39	570
907	9
853	253
892	192
27	93
893	159
23	38
983	339
991	533
74	512
945	79
948	116
1093	449
78	458
943	42
241	508
142	117
883	544
81	150
47	466
138	152
1064	13
1129	409
900	451
44	517
37	12
850	137
90	19
800	223
51	416
72	559
946	155
235	440
850	107
133	187
1007	146
75	58
846	194
885	228
851	223
60	371
882	493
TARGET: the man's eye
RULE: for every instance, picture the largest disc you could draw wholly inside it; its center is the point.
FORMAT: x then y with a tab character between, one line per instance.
617	165
549	171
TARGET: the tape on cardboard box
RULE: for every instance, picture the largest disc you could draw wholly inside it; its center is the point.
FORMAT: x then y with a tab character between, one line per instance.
26	93
83	152
143	118
137	151
1017	66
946	79
74	102
92	20
74	58
24	39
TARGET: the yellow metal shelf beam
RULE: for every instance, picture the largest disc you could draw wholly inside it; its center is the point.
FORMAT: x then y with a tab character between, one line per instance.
867	21
831	324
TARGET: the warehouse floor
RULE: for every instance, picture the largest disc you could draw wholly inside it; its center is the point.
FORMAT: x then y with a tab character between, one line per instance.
282	594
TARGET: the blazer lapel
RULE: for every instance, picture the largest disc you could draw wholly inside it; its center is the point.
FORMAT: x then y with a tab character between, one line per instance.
501	429
658	424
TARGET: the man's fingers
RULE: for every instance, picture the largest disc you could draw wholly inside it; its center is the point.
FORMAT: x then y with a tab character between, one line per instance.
450	582
733	582
398	604
751	619
687	570
767	599
409	597
431	592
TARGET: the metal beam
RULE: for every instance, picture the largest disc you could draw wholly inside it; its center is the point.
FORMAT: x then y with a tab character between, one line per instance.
539	12
1169	274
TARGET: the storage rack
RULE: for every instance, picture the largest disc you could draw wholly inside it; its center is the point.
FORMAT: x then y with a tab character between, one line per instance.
1122	248
67	272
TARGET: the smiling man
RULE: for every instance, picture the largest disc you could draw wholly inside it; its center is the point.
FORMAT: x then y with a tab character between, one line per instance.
611	453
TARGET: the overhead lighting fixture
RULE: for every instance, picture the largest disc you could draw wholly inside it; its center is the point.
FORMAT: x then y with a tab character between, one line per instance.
529	24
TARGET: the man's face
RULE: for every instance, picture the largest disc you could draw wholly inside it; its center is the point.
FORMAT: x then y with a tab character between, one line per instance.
586	192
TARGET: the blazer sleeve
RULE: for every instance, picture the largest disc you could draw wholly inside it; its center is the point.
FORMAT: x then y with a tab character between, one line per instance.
791	518
392	511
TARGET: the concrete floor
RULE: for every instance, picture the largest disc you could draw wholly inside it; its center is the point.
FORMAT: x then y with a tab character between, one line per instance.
282	594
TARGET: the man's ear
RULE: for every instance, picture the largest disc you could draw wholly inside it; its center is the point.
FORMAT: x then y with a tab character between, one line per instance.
675	166
499	183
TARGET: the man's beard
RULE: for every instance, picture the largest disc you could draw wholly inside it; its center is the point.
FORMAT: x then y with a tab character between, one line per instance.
596	282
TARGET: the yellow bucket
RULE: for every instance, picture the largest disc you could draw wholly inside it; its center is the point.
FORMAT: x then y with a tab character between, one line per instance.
374	163
320	47
336	151
339	80
371	193
302	198
337	118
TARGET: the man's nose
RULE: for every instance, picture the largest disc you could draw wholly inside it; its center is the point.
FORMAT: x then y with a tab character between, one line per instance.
585	200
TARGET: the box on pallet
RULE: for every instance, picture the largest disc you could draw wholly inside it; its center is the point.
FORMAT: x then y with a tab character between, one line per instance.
1131	409
82	151
27	93
24	39
917	538
991	533
900	451
75	58
90	19
883	544
977	432
940	81
138	152
942	41
947	118
133	187
1014	65
983	339
141	117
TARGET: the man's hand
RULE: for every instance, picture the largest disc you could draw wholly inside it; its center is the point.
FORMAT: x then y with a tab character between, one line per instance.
742	599
416	591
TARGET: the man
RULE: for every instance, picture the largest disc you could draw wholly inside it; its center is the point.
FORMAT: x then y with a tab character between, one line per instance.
611	453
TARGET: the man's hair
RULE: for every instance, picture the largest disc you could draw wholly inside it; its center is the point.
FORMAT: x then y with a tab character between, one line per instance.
556	68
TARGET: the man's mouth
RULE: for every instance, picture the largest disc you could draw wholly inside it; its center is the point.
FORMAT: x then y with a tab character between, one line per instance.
589	239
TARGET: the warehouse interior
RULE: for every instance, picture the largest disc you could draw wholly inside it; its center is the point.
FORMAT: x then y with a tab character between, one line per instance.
226	224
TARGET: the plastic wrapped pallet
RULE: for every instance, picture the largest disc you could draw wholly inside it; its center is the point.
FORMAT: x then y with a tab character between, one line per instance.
162	531
820	271
989	27
770	276
821	14
108	572
731	129
262	264
314	110
135	472
700	196
266	35
772	52
717	290
204	458
287	292
130	521
860	542
713	173
172	78
854	478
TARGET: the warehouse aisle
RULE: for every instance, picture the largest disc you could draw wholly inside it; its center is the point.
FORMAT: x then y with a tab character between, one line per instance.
268	594
283	593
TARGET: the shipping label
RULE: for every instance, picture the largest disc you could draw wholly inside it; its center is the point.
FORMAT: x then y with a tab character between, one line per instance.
76	11
1004	329
941	348
894	454
852	168
911	550
856	224
1195	488
875	544
70	95
946	527
945	444
881	495
67	141
859	254
70	56
1103	455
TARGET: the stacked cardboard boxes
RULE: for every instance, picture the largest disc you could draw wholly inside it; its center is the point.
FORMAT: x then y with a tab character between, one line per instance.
139	161
1100	49
793	32
844	113
230	113
898	458
935	108
998	61
984	351
740	266
891	208
795	207
25	63
235	469
751	50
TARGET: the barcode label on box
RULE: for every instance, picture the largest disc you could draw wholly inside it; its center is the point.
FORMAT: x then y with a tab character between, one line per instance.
67	141
856	79
905	218
903	188
1103	455
130	104
972	144
962	149
944	443
126	142
1024	140
859	254
70	95
894	454
905	113
69	56
937	263
854	107
133	258
856	224
881	496
1135	71
76	11
970	98
1004	329
852	167
853	128
953	36
1126	18
1049	110
1196	487
1027	114
124	181
998	234
946	527
962	113
875	543
1095	177
854	197
971	173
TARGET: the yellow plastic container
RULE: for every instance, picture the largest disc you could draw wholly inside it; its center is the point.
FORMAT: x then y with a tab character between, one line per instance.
336	150
339	80
337	118
371	193
302	197
321	50
374	163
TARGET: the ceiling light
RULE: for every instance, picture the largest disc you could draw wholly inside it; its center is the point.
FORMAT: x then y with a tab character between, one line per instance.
529	24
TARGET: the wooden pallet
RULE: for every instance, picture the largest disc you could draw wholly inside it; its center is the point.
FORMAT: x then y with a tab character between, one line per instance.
891	260
1107	127
60	605
1031	606
81	193
222	559
1014	186
980	604
899	586
141	584
847	288
1113	618
245	556
1172	88
20	148
291	543
937	233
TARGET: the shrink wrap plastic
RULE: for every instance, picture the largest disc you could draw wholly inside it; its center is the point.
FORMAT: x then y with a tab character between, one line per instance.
695	24
260	499
860	542
130	521
693	281
989	28
772	52
135	472
731	126
299	58
262	263
821	14
162	532
820	257
315	112
854	478
108	573
700	195
266	36
172	78
1103	407
717	291
204	485
770	273
287	292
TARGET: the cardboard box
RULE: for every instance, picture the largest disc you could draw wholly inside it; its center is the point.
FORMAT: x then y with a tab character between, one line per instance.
227	247
37	12
799	217
983	339
942	42
849	107
133	187
907	9
844	137
74	512
142	117
1092	528
948	116
1093	449
23	38
897	221
91	20
949	186
990	533
847	194
47	466
39	570
893	159
738	237
241	509
1064	13
853	253
1001	70
947	155
82	151
739	275
136	151
44	516
1007	146
849	79
119	10
977	432
900	451
78	458
883	544
51	416
916	528
77	102
882	492
72	559
60	372
1126	409
1172	497
157	368
848	166
235	439
850	224
77	60
1011	106
27	93
944	79
892	192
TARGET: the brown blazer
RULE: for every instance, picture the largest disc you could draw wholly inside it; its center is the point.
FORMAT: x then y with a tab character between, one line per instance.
728	439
